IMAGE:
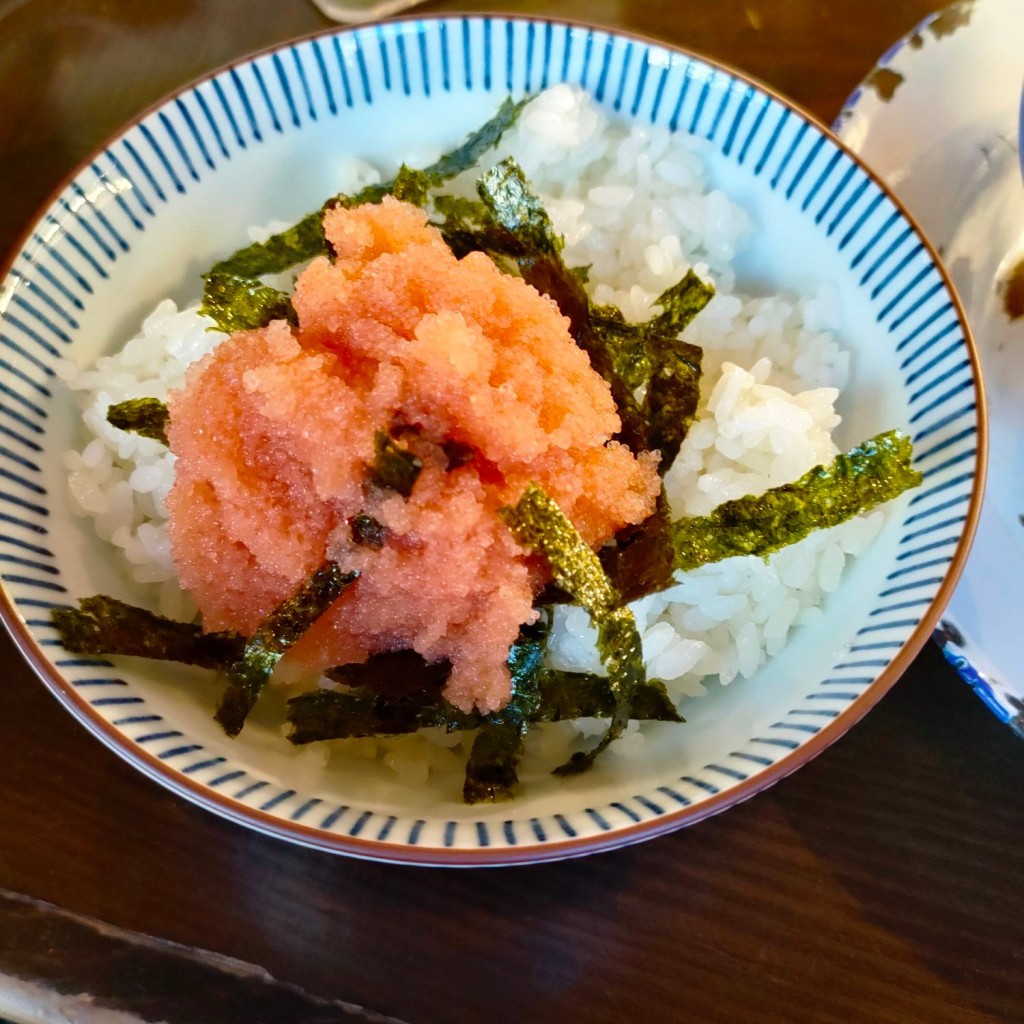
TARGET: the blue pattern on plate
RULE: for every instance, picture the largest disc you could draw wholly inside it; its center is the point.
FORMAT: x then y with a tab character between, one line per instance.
997	694
181	145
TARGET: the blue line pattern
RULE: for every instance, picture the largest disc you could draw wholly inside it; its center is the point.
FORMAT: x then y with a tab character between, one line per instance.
54	294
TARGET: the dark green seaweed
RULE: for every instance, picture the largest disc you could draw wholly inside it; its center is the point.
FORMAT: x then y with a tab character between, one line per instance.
629	343
145	416
526	656
670	402
673	384
645	558
565	696
393	693
367	531
538	523
366	711
233	296
282	628
356	714
104	625
875	471
394	467
618	643
680	304
651	355
296	244
395	675
485	138
514	207
236	303
492	767
399	693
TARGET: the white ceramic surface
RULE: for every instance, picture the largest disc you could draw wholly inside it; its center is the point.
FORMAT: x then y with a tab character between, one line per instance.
254	143
947	143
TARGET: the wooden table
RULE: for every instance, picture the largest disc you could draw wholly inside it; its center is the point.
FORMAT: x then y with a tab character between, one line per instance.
881	883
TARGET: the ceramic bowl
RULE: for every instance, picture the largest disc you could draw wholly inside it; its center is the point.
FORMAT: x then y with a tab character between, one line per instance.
255	142
960	177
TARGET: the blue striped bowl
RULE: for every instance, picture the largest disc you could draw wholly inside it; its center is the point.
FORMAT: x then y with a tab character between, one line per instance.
255	142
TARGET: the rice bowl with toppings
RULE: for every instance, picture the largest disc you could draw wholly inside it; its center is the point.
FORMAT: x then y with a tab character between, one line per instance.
639	206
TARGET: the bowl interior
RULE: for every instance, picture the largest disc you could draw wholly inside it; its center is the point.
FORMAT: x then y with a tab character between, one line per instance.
260	142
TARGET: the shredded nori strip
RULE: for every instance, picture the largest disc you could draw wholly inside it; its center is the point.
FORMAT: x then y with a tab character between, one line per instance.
234	297
486	137
302	241
145	416
493	763
356	714
517	209
236	303
371	710
673	381
367	531
680	304
366	711
670	402
538	523
391	694
643	558
279	631
394	467
646	558
105	625
395	675
492	767
875	471
565	696
650	355
629	343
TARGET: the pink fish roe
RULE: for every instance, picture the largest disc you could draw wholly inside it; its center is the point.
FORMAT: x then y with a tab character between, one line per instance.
475	371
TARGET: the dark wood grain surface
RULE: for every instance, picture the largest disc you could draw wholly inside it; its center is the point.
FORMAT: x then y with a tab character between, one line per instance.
881	883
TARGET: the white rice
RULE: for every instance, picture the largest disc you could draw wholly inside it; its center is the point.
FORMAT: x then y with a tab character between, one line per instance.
634	205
